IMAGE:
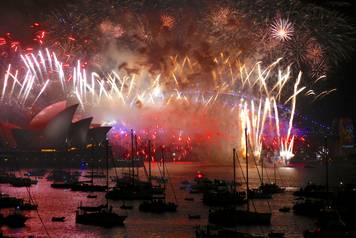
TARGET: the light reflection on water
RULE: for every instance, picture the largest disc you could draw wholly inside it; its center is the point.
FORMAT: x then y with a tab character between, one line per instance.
58	202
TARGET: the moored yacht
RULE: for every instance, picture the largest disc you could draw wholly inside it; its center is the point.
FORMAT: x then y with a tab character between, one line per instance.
101	215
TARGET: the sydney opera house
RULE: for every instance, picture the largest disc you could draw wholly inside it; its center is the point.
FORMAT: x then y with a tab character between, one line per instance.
52	134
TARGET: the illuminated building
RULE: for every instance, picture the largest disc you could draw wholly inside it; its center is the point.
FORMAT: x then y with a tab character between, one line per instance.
52	132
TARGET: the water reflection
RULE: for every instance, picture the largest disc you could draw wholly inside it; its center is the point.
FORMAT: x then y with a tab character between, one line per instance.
57	202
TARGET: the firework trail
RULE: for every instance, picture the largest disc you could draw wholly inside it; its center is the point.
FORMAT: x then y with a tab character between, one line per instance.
250	92
224	63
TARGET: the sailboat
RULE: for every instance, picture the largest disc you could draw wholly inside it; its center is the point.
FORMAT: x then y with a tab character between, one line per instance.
36	173
104	216
313	207
30	205
15	220
272	187
130	187
262	192
308	207
22	182
89	187
62	179
125	206
7	201
230	216
86	187
218	197
312	190
329	224
159	205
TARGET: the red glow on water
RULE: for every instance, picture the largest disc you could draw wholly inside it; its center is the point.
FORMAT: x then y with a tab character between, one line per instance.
296	164
178	162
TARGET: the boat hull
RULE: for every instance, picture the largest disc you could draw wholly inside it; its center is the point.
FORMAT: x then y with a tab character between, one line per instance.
231	217
100	219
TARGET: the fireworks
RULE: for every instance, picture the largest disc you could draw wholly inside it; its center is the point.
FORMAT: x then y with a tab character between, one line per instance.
221	17
282	29
186	73
109	29
252	92
82	31
315	52
167	21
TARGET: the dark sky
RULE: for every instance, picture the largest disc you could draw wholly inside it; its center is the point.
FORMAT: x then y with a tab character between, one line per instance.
342	103
18	14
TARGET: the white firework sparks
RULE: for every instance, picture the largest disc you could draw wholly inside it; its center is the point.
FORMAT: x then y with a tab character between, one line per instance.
282	29
112	90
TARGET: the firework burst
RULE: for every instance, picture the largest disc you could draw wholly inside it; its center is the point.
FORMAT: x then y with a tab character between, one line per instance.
167	21
145	59
254	92
282	29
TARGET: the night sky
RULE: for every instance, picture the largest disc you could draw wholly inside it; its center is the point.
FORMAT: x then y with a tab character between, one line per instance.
342	103
16	15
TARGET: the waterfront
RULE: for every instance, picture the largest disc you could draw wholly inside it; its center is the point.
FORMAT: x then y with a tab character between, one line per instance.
57	202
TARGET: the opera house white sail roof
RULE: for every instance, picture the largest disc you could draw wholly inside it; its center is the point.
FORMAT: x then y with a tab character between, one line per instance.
53	127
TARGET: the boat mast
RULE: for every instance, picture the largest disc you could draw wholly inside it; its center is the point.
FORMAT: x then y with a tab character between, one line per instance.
92	163
246	150
262	169
163	165
234	165
149	161
92	173
326	169
132	158
163	174
107	170
136	154
274	172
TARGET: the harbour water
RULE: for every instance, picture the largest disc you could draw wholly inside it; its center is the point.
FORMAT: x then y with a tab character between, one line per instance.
58	202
